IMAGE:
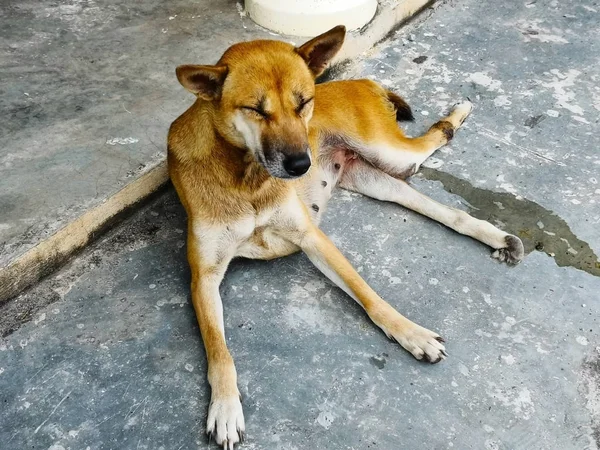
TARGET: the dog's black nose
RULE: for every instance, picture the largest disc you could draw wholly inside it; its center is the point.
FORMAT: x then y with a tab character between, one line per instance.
297	165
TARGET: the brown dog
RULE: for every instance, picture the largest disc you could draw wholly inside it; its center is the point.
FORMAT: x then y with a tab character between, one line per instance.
254	161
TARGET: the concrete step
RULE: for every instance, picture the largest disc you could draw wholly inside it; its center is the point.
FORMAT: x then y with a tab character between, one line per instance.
88	93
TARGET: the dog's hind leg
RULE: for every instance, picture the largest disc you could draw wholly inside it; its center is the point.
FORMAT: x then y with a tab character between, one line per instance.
360	176
401	156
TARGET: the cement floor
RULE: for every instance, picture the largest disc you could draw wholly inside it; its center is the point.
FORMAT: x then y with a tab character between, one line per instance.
107	354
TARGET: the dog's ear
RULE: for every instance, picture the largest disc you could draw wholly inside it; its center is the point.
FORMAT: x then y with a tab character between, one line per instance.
204	81
320	50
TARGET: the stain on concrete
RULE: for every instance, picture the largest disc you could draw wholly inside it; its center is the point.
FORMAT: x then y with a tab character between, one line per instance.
539	228
533	121
379	361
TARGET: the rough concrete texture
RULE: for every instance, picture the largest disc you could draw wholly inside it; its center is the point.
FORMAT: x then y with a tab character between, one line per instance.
115	359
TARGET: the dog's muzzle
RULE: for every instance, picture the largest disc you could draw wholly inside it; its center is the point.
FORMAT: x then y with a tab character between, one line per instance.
297	165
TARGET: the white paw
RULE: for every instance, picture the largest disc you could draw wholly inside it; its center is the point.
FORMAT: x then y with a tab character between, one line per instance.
226	421
513	253
424	345
461	111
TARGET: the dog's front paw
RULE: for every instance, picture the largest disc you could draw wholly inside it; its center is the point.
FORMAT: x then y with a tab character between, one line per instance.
513	253
423	344
226	421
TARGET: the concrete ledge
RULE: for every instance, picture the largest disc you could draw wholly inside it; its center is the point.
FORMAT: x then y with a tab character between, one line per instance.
49	254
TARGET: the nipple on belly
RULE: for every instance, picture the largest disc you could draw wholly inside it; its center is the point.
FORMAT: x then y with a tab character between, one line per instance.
342	158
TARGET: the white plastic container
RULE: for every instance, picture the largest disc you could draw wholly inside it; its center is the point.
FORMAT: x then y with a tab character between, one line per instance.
310	17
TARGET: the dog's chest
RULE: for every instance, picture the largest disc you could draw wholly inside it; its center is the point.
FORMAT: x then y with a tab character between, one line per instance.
316	190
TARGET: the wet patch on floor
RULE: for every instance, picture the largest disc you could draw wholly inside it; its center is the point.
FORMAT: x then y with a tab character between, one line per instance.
539	228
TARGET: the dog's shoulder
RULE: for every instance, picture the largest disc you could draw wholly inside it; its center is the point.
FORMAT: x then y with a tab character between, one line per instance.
192	133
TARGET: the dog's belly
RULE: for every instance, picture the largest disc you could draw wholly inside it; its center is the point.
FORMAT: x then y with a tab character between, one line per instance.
316	189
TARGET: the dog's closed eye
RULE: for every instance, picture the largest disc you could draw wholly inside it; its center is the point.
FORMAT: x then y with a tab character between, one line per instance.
302	104
257	110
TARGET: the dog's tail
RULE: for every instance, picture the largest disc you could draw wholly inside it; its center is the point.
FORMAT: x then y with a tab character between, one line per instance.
403	111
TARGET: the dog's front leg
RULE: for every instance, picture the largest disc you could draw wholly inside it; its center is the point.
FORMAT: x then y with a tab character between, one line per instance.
422	343
209	253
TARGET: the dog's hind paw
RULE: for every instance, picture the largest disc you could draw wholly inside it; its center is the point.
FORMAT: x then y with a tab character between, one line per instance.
225	422
460	112
513	253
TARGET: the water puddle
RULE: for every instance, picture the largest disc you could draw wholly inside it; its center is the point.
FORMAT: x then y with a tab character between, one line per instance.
539	228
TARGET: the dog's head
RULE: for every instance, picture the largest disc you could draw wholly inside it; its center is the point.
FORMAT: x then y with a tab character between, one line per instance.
262	94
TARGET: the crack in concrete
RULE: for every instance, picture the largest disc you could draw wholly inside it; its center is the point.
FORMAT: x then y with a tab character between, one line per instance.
539	228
